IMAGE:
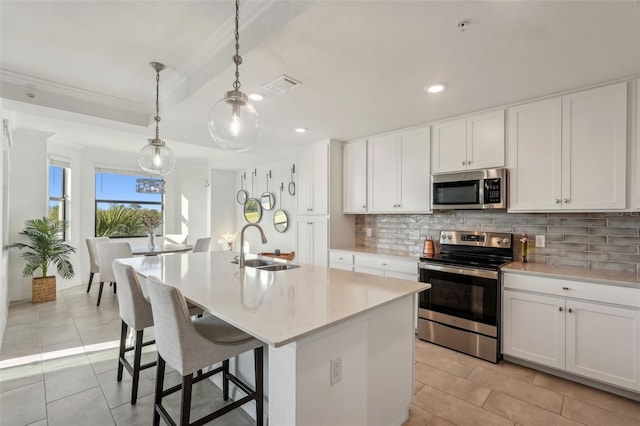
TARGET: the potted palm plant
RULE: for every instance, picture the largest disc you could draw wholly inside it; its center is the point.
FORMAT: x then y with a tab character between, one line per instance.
45	247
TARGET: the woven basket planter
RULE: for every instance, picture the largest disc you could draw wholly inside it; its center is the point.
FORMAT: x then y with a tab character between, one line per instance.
43	289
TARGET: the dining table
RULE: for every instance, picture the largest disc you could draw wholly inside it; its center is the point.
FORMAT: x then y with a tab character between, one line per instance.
160	249
310	318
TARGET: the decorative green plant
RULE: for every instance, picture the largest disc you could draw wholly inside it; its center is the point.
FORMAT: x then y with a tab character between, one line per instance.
45	247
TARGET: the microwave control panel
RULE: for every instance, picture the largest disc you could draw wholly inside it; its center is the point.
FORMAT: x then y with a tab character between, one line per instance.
492	191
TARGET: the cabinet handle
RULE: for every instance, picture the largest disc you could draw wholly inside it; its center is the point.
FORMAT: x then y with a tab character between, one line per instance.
560	308
557	200
309	223
384	264
565	288
364	206
464	162
570	310
468	162
566	200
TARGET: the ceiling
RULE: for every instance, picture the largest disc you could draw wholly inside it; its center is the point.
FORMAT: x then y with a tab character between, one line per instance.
363	64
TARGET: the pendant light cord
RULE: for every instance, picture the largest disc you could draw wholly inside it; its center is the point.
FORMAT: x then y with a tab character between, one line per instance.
157	117
237	59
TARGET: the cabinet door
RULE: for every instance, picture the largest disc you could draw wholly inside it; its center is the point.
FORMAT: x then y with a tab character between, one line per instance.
485	140
449	146
304	252
383	173
415	170
533	328
355	177
304	174
603	342
320	242
320	200
594	141
535	154
312	236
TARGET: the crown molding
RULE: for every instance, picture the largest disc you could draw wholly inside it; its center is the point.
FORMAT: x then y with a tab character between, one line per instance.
35	84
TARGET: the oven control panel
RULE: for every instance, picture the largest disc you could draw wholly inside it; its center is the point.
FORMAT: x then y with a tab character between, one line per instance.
476	238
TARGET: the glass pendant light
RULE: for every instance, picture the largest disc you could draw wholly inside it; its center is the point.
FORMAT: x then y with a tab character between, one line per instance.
157	158
234	123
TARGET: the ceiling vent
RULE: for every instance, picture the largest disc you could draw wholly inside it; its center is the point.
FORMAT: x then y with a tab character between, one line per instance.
282	84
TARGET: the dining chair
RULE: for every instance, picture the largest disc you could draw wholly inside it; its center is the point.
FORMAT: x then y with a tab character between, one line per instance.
189	345
202	244
94	267
107	253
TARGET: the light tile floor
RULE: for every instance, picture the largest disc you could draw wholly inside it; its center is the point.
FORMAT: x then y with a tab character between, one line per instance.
58	367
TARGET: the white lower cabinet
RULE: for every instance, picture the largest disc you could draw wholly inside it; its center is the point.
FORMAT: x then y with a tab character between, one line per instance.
313	244
591	338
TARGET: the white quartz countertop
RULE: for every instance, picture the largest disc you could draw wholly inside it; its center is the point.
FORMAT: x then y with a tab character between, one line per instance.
619	278
382	252
275	307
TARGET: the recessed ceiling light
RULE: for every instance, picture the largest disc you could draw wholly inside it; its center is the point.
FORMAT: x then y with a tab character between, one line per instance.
256	97
435	88
301	130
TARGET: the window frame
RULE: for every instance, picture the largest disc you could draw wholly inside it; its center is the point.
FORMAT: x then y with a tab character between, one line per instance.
63	200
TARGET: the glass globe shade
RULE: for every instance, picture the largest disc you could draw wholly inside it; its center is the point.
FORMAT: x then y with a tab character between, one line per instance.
234	123
156	158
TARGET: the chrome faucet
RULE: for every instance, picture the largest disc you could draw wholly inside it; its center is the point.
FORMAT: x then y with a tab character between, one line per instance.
264	241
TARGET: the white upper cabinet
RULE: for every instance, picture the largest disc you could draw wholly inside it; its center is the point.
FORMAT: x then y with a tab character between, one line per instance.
355	177
475	142
535	154
398	172
569	152
312	172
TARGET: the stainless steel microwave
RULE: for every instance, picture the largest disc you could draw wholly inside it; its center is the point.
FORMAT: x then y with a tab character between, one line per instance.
475	189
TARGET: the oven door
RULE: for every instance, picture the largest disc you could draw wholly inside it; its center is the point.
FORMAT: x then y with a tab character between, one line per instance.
466	298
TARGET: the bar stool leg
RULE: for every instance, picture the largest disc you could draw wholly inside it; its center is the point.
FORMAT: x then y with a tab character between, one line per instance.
159	389
123	340
137	357
100	293
258	354
185	405
90	281
225	379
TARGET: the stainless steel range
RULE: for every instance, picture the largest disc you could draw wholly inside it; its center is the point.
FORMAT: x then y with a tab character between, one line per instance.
461	311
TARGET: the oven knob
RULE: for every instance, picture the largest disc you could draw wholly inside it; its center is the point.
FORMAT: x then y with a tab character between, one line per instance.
448	237
505	241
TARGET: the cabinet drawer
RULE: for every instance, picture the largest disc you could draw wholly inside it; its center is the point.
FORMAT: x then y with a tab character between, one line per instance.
387	264
339	256
366	270
342	266
605	293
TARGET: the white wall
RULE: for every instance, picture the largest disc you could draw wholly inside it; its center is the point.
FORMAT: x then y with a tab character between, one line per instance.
187	200
4	260
27	199
280	173
223	211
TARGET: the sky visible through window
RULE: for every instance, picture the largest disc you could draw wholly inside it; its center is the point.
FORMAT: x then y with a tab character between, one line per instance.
121	188
55	182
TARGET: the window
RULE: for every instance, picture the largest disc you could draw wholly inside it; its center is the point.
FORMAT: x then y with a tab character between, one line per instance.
120	208
59	179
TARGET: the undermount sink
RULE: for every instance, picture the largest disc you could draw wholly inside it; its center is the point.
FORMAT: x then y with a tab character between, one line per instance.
278	267
257	263
267	265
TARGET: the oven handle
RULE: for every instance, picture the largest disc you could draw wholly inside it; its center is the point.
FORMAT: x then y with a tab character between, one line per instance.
461	270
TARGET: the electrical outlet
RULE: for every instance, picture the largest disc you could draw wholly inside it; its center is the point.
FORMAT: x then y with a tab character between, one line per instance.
335	370
368	232
414	235
540	241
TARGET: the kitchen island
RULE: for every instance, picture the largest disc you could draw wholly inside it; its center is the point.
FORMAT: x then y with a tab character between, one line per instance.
311	317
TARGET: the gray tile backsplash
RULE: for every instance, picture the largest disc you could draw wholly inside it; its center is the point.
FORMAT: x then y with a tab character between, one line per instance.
594	240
